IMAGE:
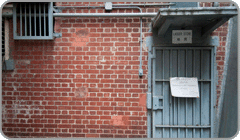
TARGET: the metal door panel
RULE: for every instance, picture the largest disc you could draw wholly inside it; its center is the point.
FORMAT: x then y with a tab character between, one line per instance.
182	117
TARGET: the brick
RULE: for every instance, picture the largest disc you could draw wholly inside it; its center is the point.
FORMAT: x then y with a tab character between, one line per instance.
78	25
64	135
78	126
92	126
92	108
120	99
106	80
121	35
135	136
92	117
107	35
51	134
106	44
105	117
106	71
92	81
93	25
121	44
78	108
78	71
92	135
121	81
120	136
93	90
79	135
106	108
107	25
23	125
22	71
121	53
121	25
50	125
106	135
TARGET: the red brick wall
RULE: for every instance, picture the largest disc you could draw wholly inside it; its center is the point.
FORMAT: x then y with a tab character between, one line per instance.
84	84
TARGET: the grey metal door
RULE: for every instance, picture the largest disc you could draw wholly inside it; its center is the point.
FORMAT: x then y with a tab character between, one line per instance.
174	117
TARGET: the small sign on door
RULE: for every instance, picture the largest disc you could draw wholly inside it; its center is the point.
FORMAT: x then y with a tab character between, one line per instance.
184	87
181	36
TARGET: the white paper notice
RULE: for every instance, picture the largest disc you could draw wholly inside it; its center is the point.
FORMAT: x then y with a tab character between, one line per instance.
184	87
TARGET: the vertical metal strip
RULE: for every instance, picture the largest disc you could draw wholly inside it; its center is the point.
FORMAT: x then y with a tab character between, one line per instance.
170	96
40	22
174	100
154	91
149	118
20	5
212	84
50	20
194	100
35	22
186	98
44	19
163	92
25	19
14	20
201	98
174	104
178	66
30	28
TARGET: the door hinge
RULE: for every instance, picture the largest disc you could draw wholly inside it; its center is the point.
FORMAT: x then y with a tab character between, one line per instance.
149	100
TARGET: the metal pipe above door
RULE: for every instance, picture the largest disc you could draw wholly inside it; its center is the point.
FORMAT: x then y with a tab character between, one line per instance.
104	14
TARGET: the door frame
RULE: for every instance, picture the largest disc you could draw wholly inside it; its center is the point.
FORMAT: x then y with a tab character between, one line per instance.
151	68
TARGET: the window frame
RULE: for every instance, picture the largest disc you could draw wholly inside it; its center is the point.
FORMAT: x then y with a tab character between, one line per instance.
30	37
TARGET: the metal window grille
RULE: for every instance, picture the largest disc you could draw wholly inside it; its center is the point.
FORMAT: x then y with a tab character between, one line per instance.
33	20
3	38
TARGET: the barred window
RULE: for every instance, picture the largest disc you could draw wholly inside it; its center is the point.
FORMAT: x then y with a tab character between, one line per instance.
3	37
33	20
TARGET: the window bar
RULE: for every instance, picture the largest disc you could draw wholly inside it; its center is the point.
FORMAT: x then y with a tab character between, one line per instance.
163	92
40	24
50	19
194	100
35	22
186	98
20	19
201	103
44	19
25	19
30	27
